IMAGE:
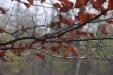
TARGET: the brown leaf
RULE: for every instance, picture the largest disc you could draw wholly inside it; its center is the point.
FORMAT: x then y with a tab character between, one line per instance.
66	56
83	17
110	5
3	11
43	1
104	30
40	56
31	2
92	36
57	5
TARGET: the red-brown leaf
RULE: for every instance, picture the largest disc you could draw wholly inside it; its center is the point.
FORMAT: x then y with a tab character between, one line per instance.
2	53
54	49
57	5
3	11
53	24
110	5
40	56
92	36
66	56
31	2
83	17
104	30
27	5
1	30
43	1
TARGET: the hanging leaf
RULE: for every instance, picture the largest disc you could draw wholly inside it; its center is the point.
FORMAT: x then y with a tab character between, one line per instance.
1	30
2	53
43	1
97	4
110	22
59	44
81	3
53	24
92	16
64	9
66	56
31	2
67	3
110	5
3	11
54	49
57	5
41	56
78	4
84	34
83	17
68	22
104	30
65	47
71	49
58	24
72	33
92	35
18	52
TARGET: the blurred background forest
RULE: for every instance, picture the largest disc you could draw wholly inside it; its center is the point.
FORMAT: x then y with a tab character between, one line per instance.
32	65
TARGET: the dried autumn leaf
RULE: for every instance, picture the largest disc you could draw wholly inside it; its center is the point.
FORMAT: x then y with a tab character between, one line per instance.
53	24
78	4
31	2
59	44
61	18
3	11
65	47
104	30
54	49
84	34
66	56
72	49
110	22
92	35
81	3
40	56
43	1
98	3
67	3
72	33
68	22
2	53
83	17
64	9
75	54
84	2
110	5
92	16
1	30
57	5
58	24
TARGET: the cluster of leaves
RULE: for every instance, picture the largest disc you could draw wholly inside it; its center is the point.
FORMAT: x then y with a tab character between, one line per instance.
66	30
